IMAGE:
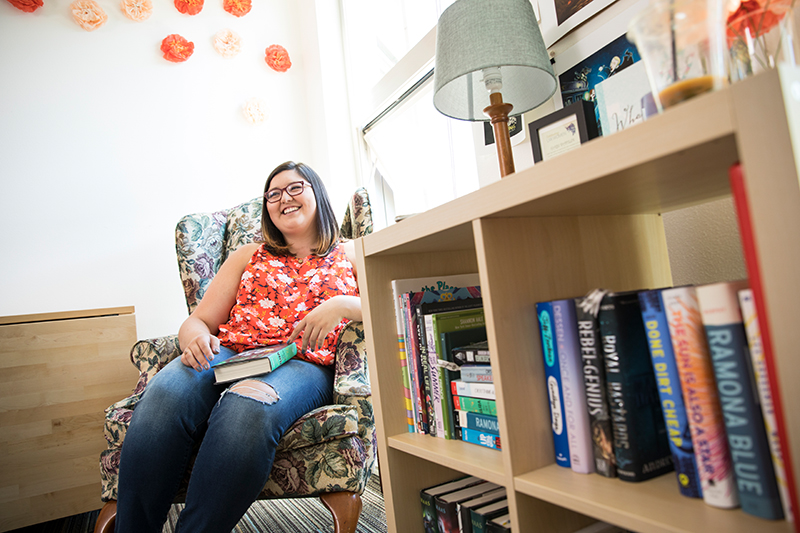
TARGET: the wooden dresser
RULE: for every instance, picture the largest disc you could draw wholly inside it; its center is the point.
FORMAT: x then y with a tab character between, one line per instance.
58	372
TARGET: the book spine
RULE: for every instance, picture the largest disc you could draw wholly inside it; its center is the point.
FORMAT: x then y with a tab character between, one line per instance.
478	422
475	405
700	394
552	372
575	411
426	372
640	437
594	384
447	515
474	390
480	437
753	331
477	373
464	356
669	390
430	519
437	394
744	423
415	365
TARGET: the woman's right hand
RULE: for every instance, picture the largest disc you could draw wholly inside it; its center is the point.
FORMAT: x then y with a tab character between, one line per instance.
200	352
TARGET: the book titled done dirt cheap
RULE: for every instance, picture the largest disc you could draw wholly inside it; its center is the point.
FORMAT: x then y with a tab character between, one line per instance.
253	362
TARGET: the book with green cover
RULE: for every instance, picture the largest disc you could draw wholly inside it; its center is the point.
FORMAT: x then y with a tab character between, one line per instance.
253	362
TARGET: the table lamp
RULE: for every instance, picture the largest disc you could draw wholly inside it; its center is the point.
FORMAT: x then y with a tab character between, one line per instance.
490	59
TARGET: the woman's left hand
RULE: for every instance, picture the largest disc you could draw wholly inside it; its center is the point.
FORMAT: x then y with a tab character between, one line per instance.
323	319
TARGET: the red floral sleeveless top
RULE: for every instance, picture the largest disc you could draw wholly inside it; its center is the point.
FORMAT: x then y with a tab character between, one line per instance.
277	292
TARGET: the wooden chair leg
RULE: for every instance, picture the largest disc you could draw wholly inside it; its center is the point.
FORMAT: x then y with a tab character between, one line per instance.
106	518
345	508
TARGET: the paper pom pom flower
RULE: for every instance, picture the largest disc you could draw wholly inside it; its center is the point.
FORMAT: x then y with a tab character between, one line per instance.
88	14
28	6
189	7
255	110
238	8
176	48
227	43
137	10
278	58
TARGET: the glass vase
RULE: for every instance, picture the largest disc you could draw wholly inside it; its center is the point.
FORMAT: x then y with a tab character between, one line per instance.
760	35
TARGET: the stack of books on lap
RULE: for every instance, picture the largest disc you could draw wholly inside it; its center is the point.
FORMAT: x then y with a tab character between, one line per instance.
625	371
446	507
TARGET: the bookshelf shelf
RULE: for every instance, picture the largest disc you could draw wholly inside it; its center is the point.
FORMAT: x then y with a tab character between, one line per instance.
559	229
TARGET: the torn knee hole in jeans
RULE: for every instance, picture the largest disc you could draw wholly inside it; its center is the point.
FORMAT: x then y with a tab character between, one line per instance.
256	390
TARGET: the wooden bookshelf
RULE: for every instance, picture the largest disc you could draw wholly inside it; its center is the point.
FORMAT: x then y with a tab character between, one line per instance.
588	219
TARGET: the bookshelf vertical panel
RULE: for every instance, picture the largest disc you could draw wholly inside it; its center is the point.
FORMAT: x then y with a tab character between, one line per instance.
527	260
769	156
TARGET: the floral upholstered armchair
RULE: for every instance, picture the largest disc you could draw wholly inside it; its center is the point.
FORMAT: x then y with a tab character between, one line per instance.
329	452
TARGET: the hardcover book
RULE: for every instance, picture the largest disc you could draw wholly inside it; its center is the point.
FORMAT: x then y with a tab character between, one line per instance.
581	455
753	331
669	390
480	516
447	504
700	394
253	362
473	353
744	423
594	382
473	390
481	438
476	373
427	289
478	422
640	437
552	372
475	405
465	508
500	524
430	519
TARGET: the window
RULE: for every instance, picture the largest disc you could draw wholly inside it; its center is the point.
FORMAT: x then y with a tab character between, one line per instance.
415	157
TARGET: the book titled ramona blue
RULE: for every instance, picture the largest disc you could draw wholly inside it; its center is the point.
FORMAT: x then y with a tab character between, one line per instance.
552	372
253	362
669	390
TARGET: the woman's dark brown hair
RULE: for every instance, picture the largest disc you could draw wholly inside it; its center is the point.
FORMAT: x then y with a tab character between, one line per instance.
327	227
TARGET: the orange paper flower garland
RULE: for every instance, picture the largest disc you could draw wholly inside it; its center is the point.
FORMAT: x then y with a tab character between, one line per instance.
28	6
176	48
88	14
189	7
278	58
137	10
237	8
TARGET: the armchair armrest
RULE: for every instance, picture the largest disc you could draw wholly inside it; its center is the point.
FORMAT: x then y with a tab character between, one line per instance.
351	377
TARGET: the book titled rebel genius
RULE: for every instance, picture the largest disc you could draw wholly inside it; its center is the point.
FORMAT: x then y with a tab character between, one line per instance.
640	436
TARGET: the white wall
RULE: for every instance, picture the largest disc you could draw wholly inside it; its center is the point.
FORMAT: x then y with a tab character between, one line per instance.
104	145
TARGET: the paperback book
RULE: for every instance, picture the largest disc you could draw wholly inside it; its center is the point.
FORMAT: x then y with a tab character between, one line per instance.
253	362
473	353
478	422
744	423
475	405
448	341
480	438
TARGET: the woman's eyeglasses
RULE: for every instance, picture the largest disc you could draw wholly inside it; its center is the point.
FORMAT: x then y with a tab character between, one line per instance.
293	189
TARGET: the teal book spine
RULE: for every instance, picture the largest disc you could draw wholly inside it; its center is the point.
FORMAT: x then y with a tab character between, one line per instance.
552	373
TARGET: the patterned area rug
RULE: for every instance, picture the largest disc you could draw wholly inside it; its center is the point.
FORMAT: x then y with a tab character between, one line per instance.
303	515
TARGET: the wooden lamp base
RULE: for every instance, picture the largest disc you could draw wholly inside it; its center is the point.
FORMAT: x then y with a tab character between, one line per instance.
498	113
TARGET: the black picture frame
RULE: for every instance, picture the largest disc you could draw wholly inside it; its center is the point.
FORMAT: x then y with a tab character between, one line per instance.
584	120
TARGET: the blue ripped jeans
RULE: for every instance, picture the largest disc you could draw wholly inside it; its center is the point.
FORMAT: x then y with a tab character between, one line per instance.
182	407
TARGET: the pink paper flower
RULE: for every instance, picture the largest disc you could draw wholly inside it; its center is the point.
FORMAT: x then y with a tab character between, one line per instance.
88	14
227	43
28	6
137	10
278	58
255	110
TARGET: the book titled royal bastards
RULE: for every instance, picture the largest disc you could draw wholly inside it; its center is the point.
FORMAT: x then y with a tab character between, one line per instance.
669	390
552	373
253	362
594	382
640	437
744	422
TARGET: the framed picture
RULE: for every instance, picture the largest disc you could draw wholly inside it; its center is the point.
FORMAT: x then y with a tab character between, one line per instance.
559	17
563	130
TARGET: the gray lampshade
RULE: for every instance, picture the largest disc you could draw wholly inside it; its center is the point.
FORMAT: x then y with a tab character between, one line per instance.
476	34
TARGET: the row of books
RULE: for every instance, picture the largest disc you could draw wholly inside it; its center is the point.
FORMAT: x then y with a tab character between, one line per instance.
466	505
644	382
447	380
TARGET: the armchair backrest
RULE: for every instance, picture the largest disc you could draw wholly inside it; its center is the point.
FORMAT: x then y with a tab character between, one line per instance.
204	240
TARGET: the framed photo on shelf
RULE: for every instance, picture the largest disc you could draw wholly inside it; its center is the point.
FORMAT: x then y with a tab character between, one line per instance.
559	17
563	130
